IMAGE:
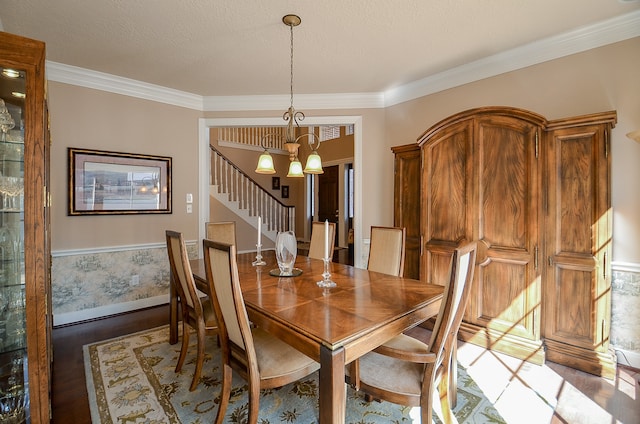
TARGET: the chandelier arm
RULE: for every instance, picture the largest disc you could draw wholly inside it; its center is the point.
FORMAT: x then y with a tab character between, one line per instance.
312	143
266	137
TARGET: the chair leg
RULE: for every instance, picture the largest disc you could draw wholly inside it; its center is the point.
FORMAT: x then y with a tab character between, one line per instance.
426	400
453	376
254	400
354	374
443	390
183	347
225	393
199	359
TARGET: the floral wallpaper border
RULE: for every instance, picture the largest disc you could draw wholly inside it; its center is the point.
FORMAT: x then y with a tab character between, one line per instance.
87	280
625	311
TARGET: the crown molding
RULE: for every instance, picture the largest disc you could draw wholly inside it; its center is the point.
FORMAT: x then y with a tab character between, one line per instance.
581	39
74	75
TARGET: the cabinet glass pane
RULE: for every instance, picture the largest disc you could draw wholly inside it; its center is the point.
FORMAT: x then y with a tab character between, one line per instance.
13	363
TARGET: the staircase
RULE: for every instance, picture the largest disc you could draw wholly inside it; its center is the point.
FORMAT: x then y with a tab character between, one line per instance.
241	194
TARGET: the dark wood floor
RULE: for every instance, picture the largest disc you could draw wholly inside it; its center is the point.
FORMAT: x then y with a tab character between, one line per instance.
69	399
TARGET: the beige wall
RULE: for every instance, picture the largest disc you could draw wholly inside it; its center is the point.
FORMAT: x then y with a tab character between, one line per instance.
598	80
94	119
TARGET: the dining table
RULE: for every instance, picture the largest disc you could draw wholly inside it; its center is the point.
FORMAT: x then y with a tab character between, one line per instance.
334	326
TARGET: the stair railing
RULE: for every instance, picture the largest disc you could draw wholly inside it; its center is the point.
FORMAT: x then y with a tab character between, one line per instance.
249	195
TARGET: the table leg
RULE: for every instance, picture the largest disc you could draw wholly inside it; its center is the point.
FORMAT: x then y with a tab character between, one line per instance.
173	311
333	392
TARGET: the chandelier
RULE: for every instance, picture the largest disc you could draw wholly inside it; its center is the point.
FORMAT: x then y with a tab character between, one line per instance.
293	118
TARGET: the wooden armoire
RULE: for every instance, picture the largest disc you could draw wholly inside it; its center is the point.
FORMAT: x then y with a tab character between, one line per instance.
536	195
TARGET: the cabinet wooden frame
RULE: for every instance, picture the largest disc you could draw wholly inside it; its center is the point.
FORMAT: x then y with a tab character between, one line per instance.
115	183
28	56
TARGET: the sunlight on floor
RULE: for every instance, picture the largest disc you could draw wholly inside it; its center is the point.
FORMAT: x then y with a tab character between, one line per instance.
526	393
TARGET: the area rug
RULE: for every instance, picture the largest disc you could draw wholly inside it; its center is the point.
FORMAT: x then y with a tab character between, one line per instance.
131	379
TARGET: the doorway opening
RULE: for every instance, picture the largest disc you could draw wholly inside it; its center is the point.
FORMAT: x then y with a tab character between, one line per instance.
350	170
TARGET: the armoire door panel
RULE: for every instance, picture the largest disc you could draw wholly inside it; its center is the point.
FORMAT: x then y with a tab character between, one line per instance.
506	296
506	185
580	217
446	162
507	291
573	303
575	176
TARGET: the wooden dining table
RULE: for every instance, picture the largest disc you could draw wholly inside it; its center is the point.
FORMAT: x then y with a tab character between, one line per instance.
335	325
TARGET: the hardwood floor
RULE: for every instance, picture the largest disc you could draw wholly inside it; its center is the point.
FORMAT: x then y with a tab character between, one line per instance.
522	393
69	400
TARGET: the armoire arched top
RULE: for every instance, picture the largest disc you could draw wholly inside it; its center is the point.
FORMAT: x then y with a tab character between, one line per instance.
609	117
512	112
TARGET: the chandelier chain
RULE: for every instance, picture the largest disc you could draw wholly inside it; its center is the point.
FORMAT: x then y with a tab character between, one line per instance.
291	76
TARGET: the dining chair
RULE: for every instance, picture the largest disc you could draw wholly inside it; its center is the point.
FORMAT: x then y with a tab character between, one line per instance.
197	312
386	250
263	360
223	231
316	246
405	370
386	255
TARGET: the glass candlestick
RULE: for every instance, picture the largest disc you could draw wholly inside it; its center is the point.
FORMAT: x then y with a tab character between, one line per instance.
258	260
326	276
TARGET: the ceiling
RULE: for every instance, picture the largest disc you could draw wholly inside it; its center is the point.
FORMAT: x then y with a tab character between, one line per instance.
241	47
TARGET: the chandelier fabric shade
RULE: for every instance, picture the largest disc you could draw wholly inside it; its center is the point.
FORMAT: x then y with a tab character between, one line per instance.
291	142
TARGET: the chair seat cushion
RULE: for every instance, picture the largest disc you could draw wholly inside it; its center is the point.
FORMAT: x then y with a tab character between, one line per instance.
276	358
407	344
391	374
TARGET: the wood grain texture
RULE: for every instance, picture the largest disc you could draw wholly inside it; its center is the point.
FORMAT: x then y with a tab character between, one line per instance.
28	56
407	189
536	194
333	326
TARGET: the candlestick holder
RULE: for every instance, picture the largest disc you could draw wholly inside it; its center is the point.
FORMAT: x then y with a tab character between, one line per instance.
258	260
326	276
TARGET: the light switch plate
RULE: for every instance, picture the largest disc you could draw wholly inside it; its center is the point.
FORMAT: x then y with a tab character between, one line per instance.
189	198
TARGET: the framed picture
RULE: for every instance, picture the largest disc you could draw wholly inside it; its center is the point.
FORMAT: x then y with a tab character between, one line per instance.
285	192
275	183
113	183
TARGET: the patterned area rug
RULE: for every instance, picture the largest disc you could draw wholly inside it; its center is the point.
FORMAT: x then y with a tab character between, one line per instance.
131	379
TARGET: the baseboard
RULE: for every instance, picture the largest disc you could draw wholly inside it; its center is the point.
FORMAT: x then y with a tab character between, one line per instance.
103	311
628	358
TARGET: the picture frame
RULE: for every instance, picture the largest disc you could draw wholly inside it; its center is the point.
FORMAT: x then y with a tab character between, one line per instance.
275	183
285	191
115	183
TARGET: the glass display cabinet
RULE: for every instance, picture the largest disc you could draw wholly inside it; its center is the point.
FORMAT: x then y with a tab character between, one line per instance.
25	311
